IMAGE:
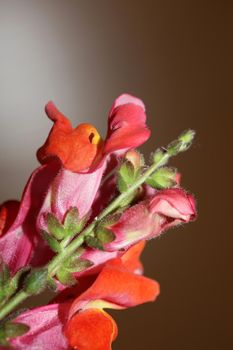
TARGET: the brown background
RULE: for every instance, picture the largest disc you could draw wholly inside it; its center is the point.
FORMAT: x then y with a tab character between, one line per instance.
176	56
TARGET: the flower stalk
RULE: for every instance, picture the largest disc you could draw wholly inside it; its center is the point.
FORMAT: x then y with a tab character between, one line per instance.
160	158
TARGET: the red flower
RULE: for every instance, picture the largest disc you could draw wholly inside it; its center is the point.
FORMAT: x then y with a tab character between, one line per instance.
74	162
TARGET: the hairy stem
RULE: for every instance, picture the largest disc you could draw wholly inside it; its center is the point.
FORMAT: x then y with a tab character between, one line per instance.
13	303
180	145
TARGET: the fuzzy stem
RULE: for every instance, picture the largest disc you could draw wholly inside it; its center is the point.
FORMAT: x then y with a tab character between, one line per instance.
12	303
58	260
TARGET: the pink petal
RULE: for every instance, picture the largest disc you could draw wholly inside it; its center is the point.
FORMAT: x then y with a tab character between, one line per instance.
71	190
126	127
149	218
46	328
174	202
17	245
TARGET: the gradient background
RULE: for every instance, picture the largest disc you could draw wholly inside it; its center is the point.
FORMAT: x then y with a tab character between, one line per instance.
176	56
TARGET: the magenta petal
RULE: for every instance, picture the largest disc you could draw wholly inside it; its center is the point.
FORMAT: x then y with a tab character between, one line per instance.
17	245
46	328
126	127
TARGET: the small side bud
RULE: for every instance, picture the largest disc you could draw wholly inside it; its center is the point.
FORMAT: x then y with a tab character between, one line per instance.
182	144
135	158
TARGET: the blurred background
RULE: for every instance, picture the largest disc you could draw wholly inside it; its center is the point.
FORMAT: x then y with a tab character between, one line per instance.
177	57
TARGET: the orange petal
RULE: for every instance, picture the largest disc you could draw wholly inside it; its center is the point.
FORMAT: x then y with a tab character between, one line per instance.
91	329
131	258
119	286
76	148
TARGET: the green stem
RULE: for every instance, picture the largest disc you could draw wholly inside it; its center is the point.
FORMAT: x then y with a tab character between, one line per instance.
12	303
78	241
57	261
180	145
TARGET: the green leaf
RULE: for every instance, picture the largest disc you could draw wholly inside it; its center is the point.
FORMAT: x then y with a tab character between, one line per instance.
66	277
105	235
52	242
36	281
94	242
162	178
55	227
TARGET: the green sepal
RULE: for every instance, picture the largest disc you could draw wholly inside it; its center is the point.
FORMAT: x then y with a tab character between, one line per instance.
36	281
15	329
4	274
75	264
94	242
104	235
158	156
72	220
127	175
110	219
54	226
51	284
66	277
163	178
13	284
11	330
3	341
52	242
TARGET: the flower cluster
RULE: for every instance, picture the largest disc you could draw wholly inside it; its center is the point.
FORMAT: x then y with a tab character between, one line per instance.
80	228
